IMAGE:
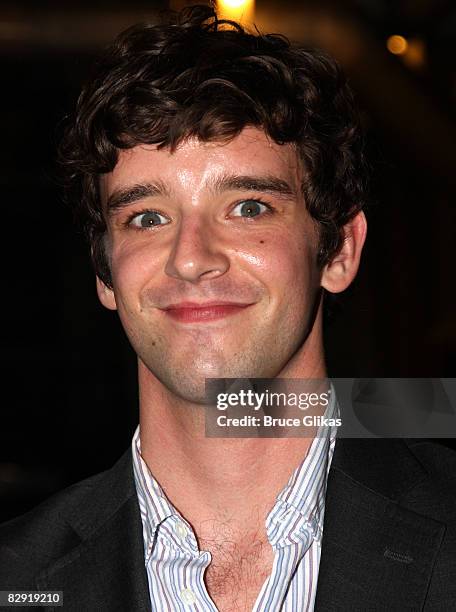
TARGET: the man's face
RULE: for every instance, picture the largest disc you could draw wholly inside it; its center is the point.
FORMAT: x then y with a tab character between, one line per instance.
213	258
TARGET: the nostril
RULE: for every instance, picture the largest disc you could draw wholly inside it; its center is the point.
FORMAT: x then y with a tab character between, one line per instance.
211	273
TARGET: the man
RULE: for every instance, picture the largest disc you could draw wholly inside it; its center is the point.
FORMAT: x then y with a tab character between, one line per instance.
220	176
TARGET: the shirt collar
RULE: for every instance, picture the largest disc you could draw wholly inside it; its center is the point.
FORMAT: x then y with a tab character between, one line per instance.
297	513
299	509
153	503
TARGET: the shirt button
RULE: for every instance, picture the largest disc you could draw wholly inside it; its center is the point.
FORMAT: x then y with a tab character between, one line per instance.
181	531
188	596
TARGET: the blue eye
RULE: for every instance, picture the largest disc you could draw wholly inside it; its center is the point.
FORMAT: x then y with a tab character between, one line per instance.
250	208
148	219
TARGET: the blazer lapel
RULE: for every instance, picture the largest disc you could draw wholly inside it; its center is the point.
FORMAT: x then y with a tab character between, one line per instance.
105	572
376	555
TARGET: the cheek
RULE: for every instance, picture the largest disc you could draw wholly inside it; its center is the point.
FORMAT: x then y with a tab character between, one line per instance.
133	265
280	259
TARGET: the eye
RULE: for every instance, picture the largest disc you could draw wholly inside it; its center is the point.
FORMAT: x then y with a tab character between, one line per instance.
147	219
250	208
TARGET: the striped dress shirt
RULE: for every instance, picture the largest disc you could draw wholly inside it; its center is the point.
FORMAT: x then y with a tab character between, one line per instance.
175	566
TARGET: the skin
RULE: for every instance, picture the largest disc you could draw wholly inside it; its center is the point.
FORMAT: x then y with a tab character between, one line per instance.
205	249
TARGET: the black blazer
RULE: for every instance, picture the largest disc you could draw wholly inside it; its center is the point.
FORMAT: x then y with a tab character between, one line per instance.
389	539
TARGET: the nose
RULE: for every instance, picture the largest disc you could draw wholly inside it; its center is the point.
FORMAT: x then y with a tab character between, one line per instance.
196	253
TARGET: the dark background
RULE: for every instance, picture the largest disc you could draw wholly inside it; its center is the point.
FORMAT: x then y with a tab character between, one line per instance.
68	375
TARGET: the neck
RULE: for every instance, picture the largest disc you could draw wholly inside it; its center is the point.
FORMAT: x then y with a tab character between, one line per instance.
214	479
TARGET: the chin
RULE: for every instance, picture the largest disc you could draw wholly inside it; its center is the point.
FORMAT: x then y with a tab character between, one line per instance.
188	389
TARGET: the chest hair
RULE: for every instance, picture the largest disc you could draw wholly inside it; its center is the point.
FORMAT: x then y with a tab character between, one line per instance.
240	564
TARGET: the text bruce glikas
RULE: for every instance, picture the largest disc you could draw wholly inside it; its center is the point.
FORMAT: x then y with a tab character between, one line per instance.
252	400
256	401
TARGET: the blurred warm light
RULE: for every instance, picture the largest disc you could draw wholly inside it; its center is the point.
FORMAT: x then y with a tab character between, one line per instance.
238	10
233	4
415	57
397	44
411	51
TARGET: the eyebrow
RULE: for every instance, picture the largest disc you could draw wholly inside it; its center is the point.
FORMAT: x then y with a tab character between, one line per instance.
240	182
123	196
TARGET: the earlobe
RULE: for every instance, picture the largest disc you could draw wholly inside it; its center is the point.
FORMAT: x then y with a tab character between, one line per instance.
106	295
339	273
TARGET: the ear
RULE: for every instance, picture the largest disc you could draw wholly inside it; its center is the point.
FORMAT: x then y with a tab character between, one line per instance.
341	270
106	295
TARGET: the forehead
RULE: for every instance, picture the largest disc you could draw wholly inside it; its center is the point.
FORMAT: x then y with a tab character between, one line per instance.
195	163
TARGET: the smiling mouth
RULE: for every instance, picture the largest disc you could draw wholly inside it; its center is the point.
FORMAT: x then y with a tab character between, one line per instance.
192	312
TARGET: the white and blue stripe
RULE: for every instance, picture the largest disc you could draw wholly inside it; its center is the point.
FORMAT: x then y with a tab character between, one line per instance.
175	565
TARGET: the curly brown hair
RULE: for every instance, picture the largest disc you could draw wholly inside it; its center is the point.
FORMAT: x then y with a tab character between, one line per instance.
201	76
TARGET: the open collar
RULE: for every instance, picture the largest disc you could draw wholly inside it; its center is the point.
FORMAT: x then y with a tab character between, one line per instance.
376	553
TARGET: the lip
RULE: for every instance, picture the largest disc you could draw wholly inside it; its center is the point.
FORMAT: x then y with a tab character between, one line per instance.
194	312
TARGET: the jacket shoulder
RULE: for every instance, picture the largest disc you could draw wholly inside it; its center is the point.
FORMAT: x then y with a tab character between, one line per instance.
436	494
437	459
435	497
35	539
